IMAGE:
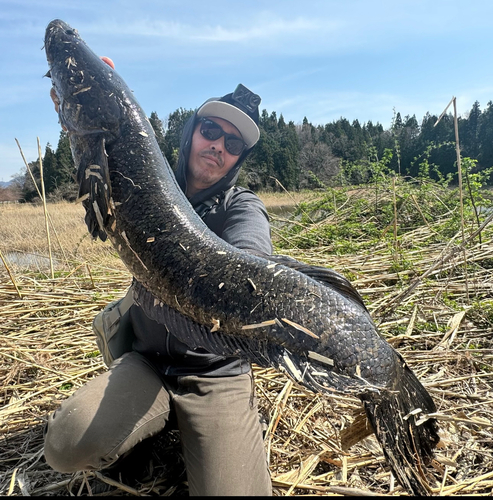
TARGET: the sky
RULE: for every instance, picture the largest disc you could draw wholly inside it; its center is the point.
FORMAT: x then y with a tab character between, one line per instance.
323	60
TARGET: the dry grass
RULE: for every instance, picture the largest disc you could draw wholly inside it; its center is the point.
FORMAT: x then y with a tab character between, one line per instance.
48	350
285	199
23	232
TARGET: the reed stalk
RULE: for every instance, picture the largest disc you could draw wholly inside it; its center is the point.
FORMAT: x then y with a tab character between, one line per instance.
40	196
48	351
11	275
45	209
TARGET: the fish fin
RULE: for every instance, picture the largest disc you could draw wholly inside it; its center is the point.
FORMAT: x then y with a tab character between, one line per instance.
323	275
95	188
319	377
393	413
198	336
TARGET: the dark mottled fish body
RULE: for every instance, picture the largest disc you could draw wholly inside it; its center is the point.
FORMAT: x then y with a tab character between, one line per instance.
314	323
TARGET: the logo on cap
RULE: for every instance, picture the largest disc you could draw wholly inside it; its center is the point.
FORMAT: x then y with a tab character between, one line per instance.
245	98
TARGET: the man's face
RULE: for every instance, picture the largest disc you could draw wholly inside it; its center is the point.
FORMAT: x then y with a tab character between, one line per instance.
209	161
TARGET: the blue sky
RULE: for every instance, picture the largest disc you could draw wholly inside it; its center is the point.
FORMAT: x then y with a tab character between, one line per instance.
359	59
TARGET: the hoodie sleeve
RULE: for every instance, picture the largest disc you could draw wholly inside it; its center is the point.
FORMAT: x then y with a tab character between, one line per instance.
246	225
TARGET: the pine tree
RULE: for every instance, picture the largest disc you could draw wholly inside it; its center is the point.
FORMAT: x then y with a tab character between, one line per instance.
258	169
157	125
408	141
174	129
485	137
65	162
469	132
286	167
50	177
28	189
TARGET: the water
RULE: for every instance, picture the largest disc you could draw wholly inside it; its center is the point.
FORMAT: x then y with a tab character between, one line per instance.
280	212
482	210
30	261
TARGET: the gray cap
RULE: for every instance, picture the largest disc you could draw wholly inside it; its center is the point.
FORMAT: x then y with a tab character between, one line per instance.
239	108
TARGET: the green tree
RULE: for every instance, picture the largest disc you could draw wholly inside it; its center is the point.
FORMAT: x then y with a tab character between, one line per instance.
268	122
408	140
65	162
469	132
435	148
286	168
173	131
485	138
28	190
50	170
396	129
58	174
65	186
158	127
258	168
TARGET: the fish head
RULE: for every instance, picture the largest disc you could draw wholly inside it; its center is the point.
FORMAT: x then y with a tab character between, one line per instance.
91	97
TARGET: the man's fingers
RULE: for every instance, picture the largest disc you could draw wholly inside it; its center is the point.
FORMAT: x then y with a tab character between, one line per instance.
108	61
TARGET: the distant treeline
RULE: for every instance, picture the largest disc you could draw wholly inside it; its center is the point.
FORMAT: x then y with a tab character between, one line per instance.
307	156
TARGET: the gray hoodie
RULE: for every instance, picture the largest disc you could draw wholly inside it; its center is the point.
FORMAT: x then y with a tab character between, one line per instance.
239	217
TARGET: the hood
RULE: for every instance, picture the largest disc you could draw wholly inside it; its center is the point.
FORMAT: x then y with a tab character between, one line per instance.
181	171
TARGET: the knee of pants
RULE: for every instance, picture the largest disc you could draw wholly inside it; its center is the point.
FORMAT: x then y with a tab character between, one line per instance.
67	444
107	416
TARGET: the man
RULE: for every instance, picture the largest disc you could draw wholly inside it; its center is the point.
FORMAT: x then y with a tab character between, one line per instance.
211	397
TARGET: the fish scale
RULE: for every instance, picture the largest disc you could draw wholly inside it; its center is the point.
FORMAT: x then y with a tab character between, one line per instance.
272	310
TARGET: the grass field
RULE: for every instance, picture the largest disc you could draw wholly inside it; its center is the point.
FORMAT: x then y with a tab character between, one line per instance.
437	312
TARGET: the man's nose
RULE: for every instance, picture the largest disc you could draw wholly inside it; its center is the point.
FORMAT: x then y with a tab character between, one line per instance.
218	145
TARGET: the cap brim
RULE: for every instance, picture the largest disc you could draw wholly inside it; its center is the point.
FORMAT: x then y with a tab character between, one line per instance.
247	127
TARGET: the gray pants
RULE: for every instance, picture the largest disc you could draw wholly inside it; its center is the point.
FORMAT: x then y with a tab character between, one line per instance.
217	417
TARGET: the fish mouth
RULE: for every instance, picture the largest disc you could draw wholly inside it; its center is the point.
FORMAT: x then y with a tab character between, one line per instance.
56	31
83	108
57	25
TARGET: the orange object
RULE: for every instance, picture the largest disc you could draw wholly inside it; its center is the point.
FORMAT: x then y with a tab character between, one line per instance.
108	61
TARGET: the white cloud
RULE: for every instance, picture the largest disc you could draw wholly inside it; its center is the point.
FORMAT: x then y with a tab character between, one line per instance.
321	59
268	26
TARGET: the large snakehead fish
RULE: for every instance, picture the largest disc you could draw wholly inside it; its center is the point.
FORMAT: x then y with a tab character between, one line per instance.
275	311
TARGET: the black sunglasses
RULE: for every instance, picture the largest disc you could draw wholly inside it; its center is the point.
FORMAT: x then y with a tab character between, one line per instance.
212	132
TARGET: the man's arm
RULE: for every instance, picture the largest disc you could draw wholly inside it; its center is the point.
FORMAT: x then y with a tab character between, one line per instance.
247	223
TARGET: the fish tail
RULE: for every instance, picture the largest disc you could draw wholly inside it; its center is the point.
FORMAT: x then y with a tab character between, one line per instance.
407	445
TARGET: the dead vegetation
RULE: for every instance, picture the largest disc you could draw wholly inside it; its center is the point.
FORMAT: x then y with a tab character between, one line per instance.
440	320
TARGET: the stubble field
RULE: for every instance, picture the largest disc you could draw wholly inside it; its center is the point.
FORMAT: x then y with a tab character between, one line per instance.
437	312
